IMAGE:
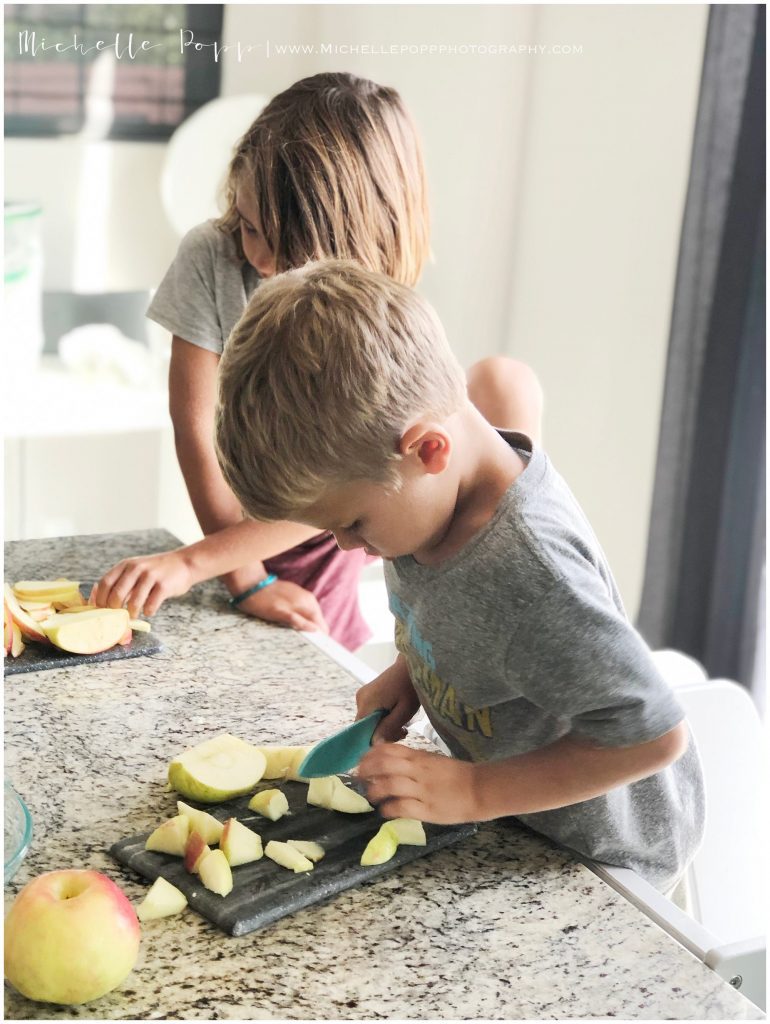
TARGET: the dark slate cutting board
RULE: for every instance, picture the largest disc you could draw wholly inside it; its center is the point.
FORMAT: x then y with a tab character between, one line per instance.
39	657
263	891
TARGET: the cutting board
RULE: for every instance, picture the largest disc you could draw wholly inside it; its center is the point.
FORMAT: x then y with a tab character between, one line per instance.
39	657
263	891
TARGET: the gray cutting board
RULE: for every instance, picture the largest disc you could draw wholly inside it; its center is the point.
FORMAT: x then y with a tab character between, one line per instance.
263	891
39	657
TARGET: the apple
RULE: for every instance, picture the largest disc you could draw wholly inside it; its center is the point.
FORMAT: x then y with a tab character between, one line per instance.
7	628
239	844
70	936
194	851
17	644
270	803
203	822
313	851
162	900
332	793
30	630
283	762
35	606
408	831
90	632
216	874
48	590
380	848
170	837
140	626
217	770
76	600
125	640
287	856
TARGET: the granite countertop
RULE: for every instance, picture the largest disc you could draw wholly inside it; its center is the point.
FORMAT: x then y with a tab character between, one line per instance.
502	926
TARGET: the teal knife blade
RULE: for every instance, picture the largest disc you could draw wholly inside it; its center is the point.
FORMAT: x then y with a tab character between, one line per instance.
342	750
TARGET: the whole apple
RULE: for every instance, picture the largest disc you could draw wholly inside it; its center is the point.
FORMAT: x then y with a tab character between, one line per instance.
70	936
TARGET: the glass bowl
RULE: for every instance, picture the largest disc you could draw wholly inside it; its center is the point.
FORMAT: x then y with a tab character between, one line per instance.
17	831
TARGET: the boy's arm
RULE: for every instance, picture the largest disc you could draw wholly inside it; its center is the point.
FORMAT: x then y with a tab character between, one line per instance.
415	784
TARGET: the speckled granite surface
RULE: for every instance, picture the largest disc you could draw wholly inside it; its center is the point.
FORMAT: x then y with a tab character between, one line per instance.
503	927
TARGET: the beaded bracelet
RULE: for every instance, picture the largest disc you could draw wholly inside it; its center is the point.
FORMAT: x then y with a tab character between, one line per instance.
235	601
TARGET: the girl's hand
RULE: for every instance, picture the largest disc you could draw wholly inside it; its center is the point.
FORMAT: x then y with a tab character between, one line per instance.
406	783
142	584
287	604
392	689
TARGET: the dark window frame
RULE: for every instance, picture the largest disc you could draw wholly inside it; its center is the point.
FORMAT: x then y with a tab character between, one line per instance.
202	78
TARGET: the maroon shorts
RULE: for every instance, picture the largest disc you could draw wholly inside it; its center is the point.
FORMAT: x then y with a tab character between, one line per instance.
332	575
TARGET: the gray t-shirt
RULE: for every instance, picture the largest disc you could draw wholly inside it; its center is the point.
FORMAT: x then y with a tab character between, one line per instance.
205	290
521	638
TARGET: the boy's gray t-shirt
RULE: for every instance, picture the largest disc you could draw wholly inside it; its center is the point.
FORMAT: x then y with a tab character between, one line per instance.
205	290
521	638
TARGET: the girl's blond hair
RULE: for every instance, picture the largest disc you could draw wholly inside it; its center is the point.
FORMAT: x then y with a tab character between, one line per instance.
321	376
337	168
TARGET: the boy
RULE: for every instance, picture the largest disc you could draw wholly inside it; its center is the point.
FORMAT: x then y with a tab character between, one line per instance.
511	632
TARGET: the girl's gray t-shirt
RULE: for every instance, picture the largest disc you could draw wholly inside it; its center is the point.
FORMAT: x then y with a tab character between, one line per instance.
521	638
205	290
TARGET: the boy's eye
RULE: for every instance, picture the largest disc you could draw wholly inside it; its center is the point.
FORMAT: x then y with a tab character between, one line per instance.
245	226
353	526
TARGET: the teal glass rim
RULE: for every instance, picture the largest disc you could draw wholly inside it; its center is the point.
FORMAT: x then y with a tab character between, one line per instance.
12	864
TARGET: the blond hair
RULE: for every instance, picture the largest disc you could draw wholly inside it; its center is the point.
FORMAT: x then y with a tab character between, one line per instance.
320	378
336	165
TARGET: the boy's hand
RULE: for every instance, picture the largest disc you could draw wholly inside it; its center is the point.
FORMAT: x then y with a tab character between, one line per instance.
142	584
287	604
391	689
406	783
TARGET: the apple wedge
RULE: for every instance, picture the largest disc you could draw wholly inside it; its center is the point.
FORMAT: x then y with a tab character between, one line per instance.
17	644
270	803
7	628
162	900
319	792
170	837
215	873
239	844
408	831
287	856
89	632
30	629
206	824
380	848
313	851
332	793
194	852
47	590
217	770
282	762
36	606
140	626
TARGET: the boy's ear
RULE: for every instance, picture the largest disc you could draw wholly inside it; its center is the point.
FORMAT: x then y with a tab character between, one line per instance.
429	443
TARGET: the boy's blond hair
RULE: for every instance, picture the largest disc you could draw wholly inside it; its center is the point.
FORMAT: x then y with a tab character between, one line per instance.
325	370
337	170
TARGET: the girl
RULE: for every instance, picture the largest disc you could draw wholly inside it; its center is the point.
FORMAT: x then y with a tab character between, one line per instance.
331	167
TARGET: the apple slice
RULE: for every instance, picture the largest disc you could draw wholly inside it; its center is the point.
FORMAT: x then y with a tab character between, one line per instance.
47	590
30	629
347	800
282	762
239	844
217	770
380	848
208	826
36	606
89	632
163	900
216	874
17	644
287	856
270	803
319	792
170	837
408	831
125	640
140	626
313	851
194	852
7	628
76	600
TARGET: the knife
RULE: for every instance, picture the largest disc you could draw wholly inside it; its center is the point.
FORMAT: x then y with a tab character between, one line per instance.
342	750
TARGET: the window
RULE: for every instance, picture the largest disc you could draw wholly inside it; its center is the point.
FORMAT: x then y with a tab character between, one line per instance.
117	71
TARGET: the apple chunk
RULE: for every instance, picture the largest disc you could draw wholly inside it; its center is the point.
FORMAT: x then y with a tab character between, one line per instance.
216	874
332	793
313	851
30	629
88	633
17	644
408	831
203	822
287	856
270	803
163	900
194	852
217	770
239	844
283	762
170	837
380	848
